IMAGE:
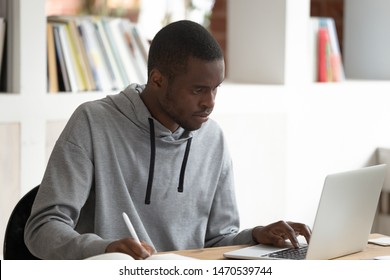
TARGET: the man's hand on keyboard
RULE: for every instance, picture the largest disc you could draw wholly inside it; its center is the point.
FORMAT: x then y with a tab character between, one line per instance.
278	233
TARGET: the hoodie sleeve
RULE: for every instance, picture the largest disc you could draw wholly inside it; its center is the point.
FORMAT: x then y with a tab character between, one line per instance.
223	224
50	231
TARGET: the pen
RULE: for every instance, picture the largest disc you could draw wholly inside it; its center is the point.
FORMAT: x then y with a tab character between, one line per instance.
130	227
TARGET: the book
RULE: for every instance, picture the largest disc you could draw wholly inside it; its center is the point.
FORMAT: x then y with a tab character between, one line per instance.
98	53
115	52
327	63
324	73
125	50
81	61
335	60
62	73
69	59
142	42
51	60
138	49
76	58
95	55
112	64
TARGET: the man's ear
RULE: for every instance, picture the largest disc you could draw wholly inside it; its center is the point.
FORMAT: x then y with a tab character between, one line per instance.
156	78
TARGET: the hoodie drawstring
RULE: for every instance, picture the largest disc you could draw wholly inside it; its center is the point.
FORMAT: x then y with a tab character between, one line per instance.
183	166
152	159
152	163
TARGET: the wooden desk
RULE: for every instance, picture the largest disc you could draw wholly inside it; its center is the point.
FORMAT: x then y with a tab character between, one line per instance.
370	252
216	253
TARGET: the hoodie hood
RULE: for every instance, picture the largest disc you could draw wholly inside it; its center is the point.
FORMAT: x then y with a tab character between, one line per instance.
130	104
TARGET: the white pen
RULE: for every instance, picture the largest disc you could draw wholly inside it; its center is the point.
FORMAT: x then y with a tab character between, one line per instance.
130	227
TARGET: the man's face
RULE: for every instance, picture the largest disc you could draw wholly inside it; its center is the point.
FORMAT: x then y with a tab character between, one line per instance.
190	98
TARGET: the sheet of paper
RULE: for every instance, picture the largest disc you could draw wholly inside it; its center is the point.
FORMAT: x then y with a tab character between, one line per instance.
383	241
111	256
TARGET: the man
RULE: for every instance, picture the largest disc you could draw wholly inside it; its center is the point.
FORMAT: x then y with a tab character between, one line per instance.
150	151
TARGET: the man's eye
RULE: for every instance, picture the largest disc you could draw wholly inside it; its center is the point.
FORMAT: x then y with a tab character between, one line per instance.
198	90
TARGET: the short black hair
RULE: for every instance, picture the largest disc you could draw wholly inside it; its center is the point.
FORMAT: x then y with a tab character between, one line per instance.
176	42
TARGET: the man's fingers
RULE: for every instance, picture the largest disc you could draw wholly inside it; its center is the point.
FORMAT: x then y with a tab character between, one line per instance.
278	232
131	247
301	229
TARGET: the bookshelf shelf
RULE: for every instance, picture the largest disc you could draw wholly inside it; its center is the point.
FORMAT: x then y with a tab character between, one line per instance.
277	125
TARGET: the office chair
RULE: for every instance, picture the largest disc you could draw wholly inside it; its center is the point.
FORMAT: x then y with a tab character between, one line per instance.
14	247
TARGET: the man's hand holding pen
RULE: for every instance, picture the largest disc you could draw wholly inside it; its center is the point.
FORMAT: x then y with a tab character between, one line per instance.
131	245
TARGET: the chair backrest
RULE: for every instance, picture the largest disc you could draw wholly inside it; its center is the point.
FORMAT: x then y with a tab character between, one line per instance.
14	246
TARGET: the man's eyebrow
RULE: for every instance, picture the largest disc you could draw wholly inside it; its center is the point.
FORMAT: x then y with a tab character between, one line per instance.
205	86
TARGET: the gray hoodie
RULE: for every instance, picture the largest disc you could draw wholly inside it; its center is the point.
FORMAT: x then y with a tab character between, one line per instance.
113	157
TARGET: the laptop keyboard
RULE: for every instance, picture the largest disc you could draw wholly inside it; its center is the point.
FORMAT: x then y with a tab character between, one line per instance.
291	253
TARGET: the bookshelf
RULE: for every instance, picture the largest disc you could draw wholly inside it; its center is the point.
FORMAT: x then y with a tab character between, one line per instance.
285	133
326	128
30	118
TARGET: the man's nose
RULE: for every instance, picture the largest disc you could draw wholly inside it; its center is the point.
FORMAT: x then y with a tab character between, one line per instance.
208	99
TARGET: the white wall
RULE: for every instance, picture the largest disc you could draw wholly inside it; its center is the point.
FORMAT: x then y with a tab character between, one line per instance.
285	140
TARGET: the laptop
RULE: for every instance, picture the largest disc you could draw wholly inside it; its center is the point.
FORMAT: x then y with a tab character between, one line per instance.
343	221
